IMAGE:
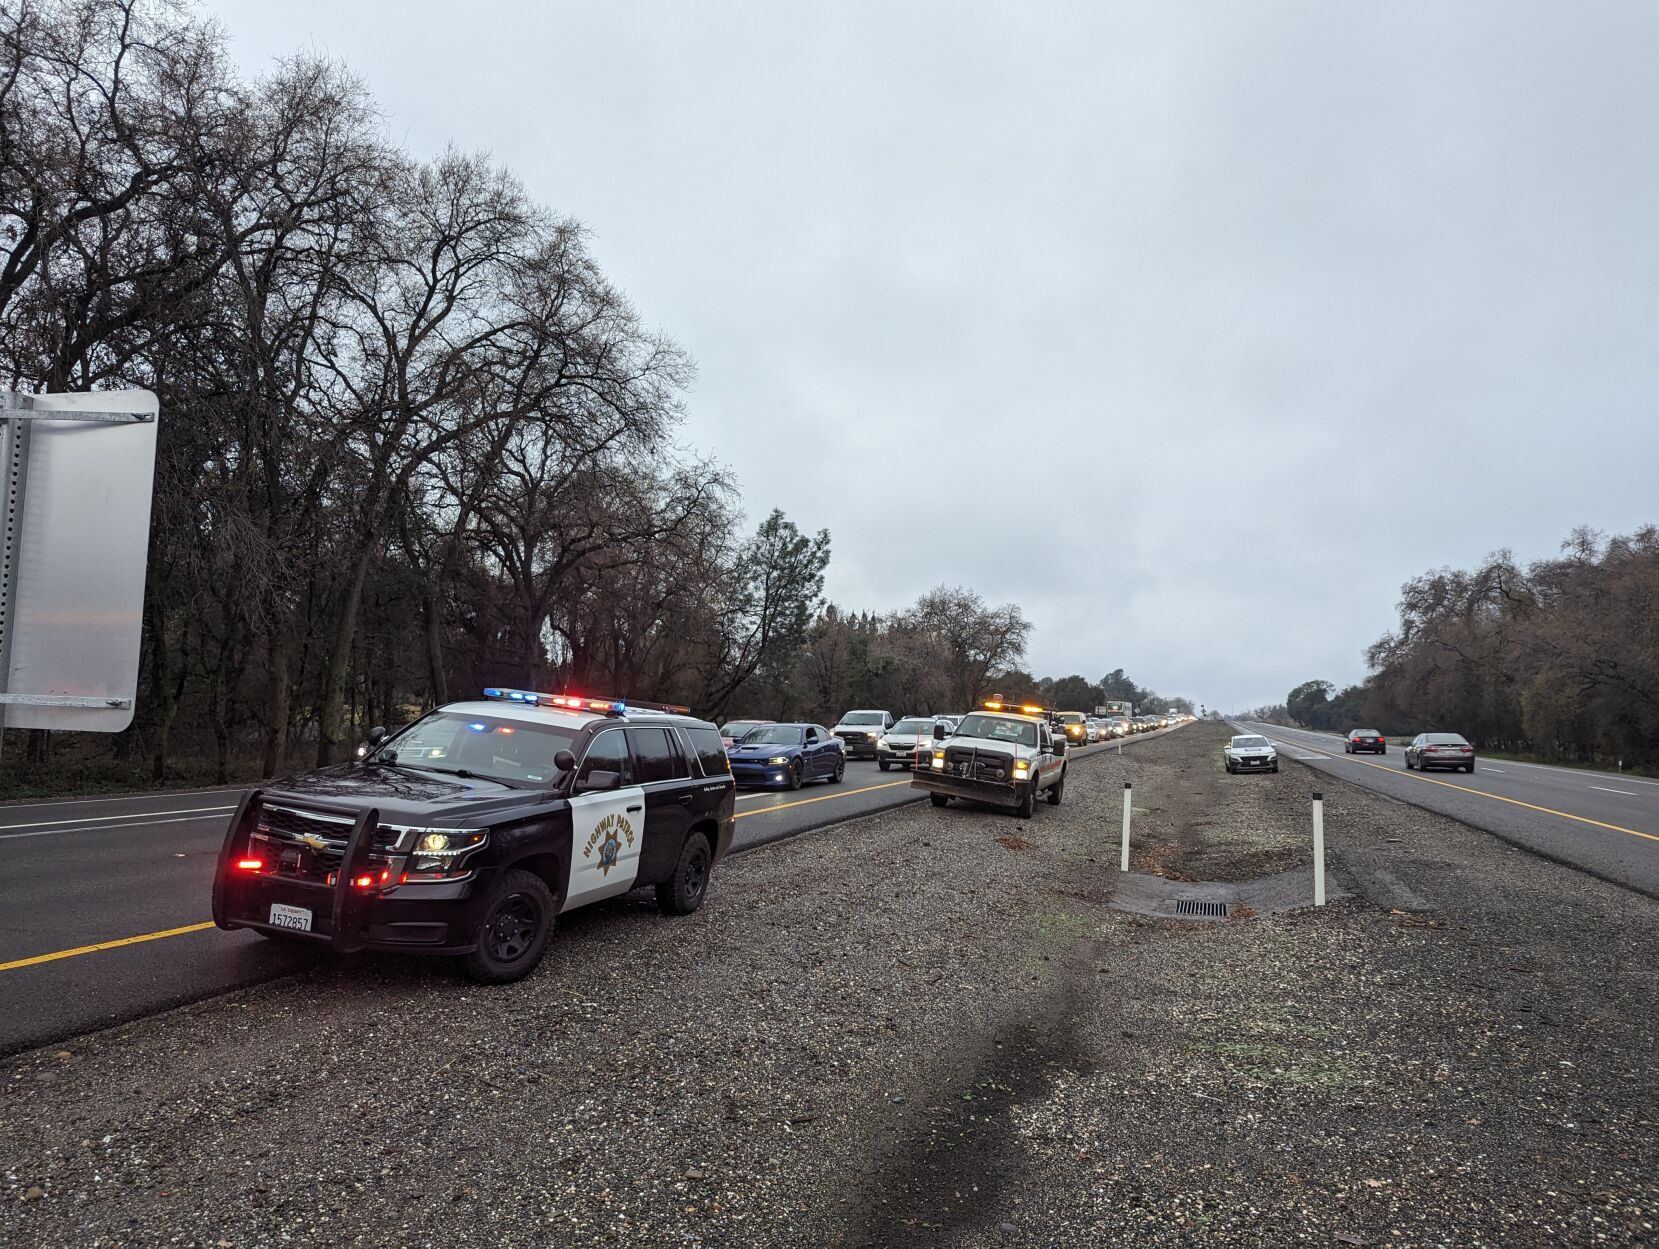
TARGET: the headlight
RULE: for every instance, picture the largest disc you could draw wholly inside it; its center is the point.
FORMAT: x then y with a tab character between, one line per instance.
881	742
437	853
939	761
777	760
1021	769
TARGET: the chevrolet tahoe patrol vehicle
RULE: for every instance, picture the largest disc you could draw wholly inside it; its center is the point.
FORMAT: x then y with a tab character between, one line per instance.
467	832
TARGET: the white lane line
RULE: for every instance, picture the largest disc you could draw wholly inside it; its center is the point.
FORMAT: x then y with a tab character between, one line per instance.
105	820
104	828
81	802
1628	793
1487	767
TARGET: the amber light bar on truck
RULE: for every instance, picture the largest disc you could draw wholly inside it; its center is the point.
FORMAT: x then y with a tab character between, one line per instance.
998	703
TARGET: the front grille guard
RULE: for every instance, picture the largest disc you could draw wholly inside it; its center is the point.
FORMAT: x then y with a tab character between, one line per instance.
347	904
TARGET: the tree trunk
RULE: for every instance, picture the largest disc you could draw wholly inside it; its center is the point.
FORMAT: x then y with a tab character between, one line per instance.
339	659
276	704
437	683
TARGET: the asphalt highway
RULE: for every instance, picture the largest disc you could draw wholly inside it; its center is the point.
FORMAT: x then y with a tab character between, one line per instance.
104	902
1601	822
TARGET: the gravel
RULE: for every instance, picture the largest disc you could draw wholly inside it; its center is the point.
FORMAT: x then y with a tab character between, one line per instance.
925	1027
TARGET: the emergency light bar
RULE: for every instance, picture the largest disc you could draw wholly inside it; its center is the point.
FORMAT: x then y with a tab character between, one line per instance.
999	703
575	702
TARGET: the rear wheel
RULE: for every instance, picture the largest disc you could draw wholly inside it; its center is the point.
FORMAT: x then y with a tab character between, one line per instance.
513	935
1408	763
683	892
1056	790
840	771
1469	767
939	800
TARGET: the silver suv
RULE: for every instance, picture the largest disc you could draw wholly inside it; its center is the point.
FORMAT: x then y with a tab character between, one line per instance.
859	732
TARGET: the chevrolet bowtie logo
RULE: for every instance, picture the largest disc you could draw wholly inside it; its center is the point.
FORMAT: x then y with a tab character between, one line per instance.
314	841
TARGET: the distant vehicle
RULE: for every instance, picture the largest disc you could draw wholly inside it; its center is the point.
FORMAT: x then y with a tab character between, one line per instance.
732	732
466	832
1005	755
897	747
1440	750
788	755
1249	752
1123	710
1074	724
859	731
1097	729
1363	741
1118	726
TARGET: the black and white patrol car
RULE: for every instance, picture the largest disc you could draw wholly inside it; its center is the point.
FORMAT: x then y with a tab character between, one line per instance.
1006	755
469	831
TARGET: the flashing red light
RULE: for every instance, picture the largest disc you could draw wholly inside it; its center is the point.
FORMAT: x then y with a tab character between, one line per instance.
250	865
368	880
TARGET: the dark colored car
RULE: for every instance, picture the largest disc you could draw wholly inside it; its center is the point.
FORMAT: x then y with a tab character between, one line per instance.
788	755
467	832
1365	741
1440	750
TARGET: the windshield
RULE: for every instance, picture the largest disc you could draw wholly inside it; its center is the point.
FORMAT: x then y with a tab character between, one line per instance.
1248	743
998	729
1071	717
478	745
862	717
737	728
913	726
773	735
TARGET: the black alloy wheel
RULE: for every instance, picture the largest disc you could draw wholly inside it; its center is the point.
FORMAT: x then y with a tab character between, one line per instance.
513	935
795	773
683	892
840	771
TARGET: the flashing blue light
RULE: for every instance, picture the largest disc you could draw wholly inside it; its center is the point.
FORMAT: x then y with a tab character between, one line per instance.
479	727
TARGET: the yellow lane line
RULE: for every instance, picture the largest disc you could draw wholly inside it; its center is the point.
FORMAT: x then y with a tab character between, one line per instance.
844	793
179	932
1479	793
102	945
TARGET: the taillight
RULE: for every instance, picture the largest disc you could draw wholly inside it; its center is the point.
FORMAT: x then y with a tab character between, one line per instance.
251	865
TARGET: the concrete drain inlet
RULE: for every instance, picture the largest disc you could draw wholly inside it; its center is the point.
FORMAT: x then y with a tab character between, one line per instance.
1140	894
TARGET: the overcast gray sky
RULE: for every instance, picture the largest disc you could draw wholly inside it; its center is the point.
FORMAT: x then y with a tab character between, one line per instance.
1247	312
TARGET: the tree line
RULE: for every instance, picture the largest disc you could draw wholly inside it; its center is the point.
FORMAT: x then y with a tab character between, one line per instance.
414	441
1558	658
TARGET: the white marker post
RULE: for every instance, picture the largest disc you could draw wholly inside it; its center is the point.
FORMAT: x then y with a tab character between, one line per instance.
1318	849
1123	866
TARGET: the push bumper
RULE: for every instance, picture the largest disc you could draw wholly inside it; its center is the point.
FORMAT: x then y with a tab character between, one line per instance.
429	917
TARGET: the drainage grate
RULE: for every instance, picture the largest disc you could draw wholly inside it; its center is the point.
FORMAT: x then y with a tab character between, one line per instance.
1201	910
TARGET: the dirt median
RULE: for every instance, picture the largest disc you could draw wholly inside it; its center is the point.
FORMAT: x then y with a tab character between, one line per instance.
926	1027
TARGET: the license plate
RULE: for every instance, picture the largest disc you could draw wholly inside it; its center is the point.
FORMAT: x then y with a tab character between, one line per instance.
296	917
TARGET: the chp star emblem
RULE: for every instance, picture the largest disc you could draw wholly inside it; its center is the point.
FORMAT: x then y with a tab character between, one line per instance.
608	836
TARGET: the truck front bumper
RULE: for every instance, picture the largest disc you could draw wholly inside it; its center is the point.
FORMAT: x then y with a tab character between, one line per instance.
996	793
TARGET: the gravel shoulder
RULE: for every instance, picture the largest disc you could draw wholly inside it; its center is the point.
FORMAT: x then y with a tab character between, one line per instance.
926	1027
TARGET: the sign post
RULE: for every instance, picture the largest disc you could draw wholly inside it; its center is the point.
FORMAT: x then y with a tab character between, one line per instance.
76	477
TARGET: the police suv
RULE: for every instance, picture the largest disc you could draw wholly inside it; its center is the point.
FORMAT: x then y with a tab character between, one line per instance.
1005	754
468	831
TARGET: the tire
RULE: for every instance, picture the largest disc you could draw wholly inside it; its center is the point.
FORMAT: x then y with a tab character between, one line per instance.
883	764
1408	763
1026	807
1469	768
939	800
684	891
1274	768
840	771
513	935
795	775
1056	790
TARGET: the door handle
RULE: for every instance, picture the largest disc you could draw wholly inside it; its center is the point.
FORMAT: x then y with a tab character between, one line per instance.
685	800
632	810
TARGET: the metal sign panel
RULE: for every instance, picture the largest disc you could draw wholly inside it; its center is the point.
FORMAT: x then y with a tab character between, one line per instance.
76	476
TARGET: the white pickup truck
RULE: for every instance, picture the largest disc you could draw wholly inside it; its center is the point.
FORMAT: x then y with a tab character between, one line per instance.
1005	755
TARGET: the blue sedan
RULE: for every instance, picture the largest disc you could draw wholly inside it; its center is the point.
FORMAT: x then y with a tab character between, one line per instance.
787	755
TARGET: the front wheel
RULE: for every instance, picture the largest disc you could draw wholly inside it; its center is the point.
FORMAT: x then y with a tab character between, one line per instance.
1026	807
795	775
883	764
939	800
513	936
683	892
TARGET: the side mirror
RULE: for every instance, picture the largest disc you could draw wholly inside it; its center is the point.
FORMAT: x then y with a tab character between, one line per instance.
1059	745
377	734
565	761
599	781
940	732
